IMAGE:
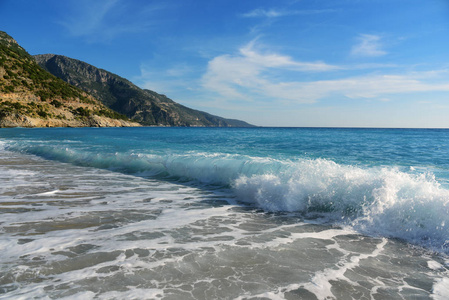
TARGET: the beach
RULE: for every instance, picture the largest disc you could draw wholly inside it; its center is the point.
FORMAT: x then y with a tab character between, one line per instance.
178	213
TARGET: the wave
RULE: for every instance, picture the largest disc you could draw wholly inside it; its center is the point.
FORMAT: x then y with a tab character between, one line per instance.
382	201
209	168
375	201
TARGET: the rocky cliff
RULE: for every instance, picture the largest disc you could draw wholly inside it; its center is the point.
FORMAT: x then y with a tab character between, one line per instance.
32	97
143	106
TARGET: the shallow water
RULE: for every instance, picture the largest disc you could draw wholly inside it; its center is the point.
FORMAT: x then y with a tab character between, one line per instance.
76	230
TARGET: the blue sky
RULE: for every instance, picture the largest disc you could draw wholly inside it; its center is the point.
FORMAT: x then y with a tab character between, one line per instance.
357	63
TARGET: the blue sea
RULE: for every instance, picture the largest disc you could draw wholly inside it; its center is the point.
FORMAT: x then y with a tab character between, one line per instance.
224	213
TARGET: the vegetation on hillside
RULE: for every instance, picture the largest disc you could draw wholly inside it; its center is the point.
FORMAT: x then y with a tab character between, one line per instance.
27	89
22	73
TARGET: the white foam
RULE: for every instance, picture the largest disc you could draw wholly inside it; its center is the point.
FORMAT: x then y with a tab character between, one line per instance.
85	295
321	286
375	201
48	193
431	264
387	202
133	293
440	289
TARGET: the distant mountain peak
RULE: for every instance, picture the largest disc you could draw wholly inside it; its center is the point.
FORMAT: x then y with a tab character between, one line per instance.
32	97
144	106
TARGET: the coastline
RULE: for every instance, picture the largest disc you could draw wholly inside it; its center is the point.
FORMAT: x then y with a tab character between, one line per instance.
19	120
73	231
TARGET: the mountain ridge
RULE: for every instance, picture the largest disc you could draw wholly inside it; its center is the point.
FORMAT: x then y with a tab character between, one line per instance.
140	105
32	97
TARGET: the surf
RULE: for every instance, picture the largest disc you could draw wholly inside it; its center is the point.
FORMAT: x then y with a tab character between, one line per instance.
388	201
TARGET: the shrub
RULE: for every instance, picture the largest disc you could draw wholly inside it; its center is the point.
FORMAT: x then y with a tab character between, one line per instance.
42	114
8	89
82	112
111	114
56	103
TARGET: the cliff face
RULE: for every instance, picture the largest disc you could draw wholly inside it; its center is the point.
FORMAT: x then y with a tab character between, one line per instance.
143	106
32	97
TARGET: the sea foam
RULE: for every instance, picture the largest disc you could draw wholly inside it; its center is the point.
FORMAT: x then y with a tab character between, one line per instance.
377	201
381	201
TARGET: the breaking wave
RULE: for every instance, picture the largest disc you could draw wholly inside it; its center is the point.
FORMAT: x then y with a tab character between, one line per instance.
382	201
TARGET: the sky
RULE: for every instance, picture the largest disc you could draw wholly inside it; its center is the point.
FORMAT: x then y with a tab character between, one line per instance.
293	63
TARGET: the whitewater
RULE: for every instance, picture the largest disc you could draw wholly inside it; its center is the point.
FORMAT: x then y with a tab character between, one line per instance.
224	213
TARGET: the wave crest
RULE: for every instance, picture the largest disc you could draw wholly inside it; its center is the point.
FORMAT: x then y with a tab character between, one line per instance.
377	201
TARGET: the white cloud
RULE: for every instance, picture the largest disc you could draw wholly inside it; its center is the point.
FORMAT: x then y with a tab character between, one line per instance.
370	86
368	45
241	76
249	76
263	13
273	13
273	60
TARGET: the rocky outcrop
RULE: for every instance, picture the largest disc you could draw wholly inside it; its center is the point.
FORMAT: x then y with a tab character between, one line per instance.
24	110
21	120
143	106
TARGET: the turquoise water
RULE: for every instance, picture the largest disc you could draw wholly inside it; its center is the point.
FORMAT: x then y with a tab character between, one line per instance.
382	189
364	147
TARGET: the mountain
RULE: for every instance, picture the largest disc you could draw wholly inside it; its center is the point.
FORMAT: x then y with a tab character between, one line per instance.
32	97
143	106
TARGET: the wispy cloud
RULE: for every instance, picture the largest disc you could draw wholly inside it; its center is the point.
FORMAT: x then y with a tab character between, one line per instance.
273	60
243	75
105	20
250	76
275	13
178	78
370	86
83	20
368	45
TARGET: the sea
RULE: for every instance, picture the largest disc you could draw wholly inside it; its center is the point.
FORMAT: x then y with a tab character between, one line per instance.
224	213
